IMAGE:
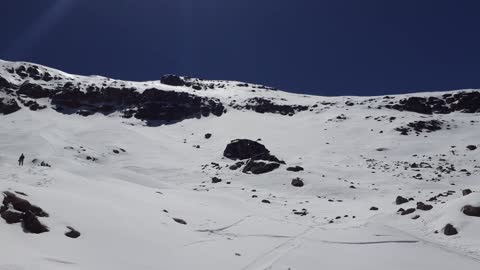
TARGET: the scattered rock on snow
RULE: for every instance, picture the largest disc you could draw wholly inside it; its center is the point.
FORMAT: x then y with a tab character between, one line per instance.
471	211
295	169
400	200
72	233
449	230
297	182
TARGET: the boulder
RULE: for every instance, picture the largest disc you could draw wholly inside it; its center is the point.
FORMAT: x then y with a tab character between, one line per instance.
400	200
449	230
31	224
297	182
465	192
424	207
472	211
248	149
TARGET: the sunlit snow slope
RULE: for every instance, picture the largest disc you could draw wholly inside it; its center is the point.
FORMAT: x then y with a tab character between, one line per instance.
131	169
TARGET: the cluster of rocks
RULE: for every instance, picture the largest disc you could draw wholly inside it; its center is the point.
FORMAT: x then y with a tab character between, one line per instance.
262	105
254	155
466	102
155	106
421	126
18	210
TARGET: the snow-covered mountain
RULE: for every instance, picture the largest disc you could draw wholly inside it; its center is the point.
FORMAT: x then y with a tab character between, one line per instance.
183	173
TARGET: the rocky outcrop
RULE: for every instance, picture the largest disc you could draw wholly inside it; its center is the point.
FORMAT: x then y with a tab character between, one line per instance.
261	105
466	102
259	159
421	126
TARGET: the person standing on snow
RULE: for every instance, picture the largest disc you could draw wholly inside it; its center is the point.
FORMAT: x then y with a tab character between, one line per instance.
20	160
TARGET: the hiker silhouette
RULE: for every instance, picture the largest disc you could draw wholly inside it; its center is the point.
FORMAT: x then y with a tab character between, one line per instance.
20	160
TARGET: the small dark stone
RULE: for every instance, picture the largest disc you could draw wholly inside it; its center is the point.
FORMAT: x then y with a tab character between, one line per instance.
180	221
265	201
471	147
216	180
295	169
373	208
72	233
208	136
450	230
116	151
467	191
297	182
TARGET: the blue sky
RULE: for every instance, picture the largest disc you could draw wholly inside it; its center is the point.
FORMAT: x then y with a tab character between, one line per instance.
334	47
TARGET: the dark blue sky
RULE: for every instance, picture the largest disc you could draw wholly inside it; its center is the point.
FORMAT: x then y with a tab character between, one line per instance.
333	47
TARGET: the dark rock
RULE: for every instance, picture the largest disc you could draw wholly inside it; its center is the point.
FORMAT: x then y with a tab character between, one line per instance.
72	233
259	167
472	211
449	230
248	149
237	165
424	207
173	80
208	136
373	208
11	217
467	191
261	105
31	224
266	201
297	182
295	169
216	180
116	151
400	200
8	106
408	211
33	90
471	147
180	221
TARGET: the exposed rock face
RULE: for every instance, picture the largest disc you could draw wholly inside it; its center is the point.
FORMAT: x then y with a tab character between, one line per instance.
420	126
173	80
466	102
261	105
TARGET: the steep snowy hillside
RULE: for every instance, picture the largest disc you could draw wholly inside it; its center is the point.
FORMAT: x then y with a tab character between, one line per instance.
184	173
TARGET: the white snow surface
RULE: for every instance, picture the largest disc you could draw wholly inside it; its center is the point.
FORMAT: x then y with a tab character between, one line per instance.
118	202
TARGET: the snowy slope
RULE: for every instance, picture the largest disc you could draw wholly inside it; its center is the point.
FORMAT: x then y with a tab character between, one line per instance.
124	203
